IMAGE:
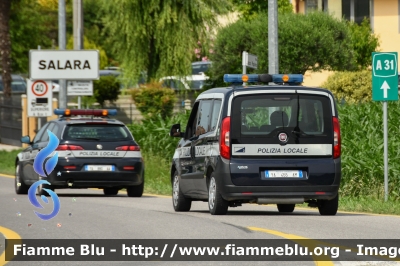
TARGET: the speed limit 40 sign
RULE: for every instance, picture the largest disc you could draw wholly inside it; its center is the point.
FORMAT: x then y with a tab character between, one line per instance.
39	94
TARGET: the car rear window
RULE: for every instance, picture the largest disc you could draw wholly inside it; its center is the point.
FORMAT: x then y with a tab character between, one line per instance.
96	132
265	115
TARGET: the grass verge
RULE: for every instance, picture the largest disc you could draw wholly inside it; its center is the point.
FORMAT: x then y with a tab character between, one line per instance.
157	175
7	161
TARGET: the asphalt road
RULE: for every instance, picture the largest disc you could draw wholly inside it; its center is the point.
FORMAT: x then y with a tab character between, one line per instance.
88	214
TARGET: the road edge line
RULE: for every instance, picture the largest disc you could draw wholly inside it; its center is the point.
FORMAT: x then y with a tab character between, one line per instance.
8	234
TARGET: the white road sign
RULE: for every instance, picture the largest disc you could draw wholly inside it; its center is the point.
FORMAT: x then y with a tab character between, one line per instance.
249	60
64	64
39	98
80	88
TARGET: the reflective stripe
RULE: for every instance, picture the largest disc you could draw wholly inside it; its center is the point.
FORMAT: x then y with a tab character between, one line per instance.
279	150
200	151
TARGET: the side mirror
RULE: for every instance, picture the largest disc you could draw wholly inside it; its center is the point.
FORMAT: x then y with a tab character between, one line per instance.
26	139
176	131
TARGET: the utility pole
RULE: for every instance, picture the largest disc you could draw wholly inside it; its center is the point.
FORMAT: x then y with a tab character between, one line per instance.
78	30
273	56
62	95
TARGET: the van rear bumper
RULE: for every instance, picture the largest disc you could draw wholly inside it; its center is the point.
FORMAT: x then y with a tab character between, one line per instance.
273	190
250	193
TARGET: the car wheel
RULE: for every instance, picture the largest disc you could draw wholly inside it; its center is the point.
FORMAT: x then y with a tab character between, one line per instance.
180	203
216	204
135	191
329	207
110	191
285	207
20	186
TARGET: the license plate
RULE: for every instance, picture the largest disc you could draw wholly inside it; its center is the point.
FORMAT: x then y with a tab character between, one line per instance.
283	174
100	168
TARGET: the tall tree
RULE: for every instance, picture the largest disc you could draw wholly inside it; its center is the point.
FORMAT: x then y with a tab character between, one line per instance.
5	46
250	9
159	36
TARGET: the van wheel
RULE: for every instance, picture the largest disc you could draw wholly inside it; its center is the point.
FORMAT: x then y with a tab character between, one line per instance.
135	191
110	191
216	204
20	186
180	203
285	207
328	207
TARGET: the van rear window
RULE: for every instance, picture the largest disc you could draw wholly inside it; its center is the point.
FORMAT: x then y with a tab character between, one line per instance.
264	115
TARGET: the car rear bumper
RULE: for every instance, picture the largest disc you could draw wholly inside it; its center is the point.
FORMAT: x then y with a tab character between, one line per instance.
80	178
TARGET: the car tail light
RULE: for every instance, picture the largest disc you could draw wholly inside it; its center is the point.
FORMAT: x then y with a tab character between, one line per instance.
336	138
224	138
66	147
128	148
70	167
128	167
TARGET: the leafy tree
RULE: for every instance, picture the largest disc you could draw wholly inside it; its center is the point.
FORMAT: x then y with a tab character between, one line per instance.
302	45
27	32
364	42
158	36
106	88
90	45
250	9
5	46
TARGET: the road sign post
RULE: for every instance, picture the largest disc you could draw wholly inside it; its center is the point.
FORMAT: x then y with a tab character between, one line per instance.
385	88
248	60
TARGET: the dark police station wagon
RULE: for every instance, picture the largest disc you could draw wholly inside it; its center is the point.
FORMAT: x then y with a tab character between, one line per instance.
265	144
94	151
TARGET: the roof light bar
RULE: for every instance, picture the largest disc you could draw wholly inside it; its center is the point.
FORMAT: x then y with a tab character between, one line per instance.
95	112
264	78
287	78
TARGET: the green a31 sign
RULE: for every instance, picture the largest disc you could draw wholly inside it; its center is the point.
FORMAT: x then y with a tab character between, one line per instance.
384	77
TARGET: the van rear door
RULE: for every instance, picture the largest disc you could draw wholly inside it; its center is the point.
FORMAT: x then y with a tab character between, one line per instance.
282	138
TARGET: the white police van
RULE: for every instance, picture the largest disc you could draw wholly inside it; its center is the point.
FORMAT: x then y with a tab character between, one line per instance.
266	144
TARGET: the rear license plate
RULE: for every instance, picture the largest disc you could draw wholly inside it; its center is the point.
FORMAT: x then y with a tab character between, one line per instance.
109	168
283	174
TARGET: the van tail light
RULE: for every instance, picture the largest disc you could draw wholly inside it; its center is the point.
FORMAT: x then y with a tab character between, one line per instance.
128	148
336	138
66	147
224	141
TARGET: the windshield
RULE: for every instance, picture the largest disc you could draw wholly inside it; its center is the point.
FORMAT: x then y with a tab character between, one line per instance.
200	68
16	86
96	132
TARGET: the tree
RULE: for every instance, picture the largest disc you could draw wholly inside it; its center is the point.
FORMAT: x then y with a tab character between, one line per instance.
315	41
5	46
106	88
158	36
364	42
27	31
250	9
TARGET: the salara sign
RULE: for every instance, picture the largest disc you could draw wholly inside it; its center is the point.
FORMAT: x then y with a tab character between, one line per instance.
64	64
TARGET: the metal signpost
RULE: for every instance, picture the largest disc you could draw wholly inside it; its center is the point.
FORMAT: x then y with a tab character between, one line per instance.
248	60
39	98
385	88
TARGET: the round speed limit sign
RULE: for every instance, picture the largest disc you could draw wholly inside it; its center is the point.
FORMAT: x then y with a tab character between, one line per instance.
39	88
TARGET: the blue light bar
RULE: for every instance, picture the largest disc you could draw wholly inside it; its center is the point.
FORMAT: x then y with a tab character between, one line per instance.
237	78
287	78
